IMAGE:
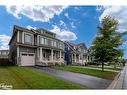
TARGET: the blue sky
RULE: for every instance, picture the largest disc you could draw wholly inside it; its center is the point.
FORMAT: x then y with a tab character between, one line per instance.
76	24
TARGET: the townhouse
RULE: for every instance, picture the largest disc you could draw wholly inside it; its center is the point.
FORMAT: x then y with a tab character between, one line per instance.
76	54
30	47
35	47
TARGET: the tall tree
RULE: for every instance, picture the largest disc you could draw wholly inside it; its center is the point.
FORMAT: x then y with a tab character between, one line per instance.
107	42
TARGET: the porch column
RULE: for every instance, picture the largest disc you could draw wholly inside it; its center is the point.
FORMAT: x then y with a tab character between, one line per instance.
51	54
75	57
72	58
41	54
60	56
38	54
79	58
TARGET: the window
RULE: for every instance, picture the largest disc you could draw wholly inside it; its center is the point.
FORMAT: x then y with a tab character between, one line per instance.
54	43
4	53
24	54
28	38
49	42
31	54
46	41
60	45
42	41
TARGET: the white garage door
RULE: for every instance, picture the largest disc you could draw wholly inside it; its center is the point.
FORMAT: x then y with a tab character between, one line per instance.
27	59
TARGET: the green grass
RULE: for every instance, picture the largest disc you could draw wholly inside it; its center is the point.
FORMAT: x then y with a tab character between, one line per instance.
98	73
107	67
28	78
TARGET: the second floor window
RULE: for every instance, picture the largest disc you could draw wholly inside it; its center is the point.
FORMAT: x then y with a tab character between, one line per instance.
55	44
42	41
28	38
46	41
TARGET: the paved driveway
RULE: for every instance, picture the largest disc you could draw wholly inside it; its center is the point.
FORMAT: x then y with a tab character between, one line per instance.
86	80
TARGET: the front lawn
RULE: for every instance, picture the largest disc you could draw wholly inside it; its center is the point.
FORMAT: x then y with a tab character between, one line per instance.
106	67
98	73
28	78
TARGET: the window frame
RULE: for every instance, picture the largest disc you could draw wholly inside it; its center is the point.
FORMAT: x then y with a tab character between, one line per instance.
32	38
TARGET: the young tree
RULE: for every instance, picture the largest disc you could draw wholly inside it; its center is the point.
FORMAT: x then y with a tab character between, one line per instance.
107	42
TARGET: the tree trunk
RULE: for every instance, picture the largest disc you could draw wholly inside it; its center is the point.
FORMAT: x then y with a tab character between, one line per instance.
115	65
102	66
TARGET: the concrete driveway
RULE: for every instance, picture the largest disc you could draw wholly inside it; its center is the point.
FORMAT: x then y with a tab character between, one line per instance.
86	80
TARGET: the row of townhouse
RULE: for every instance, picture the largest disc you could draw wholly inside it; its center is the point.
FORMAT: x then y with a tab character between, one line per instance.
41	47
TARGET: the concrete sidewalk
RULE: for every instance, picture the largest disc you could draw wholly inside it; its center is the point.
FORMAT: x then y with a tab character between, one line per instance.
120	82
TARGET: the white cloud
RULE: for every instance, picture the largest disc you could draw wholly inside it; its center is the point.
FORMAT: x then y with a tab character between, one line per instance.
119	12
4	40
30	27
72	25
66	14
36	13
62	23
63	34
99	8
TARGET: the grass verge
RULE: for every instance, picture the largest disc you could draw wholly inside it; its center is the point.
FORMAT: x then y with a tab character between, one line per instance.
28	78
98	73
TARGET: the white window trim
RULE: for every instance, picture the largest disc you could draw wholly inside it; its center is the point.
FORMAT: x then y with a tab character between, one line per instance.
28	34
38	39
43	39
22	37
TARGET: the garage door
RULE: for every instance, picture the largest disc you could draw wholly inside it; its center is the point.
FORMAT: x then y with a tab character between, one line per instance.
27	59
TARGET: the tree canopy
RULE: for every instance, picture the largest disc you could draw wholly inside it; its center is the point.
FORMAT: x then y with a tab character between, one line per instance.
107	42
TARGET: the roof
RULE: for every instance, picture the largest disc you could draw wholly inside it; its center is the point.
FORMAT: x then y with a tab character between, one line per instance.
83	44
75	46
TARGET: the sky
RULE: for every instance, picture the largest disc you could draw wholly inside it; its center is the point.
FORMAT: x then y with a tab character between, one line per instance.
76	24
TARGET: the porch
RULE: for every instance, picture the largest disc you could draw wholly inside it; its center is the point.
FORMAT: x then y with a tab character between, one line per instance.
77	59
49	57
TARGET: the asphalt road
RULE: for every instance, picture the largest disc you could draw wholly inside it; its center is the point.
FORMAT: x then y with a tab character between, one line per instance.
86	80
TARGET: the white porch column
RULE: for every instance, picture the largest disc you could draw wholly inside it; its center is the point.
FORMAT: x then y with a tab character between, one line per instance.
41	54
18	56
75	57
51	54
60	55
79	58
72	58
